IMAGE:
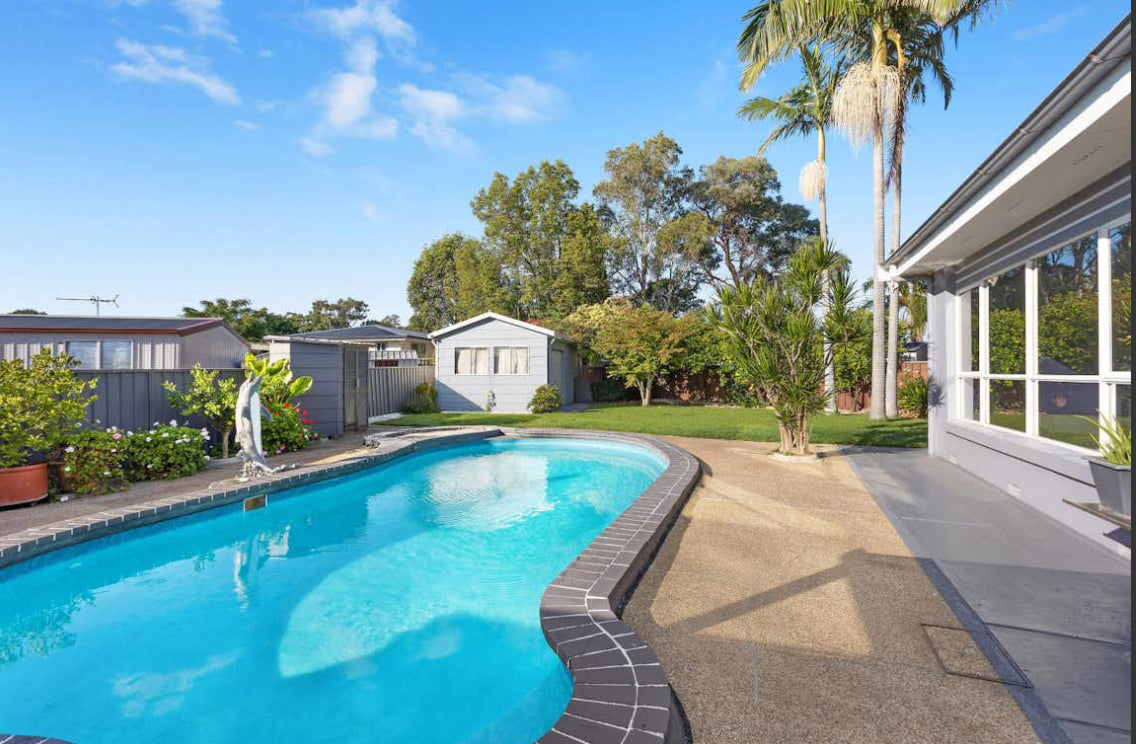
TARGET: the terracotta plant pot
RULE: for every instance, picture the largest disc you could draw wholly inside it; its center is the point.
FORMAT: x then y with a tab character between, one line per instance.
23	485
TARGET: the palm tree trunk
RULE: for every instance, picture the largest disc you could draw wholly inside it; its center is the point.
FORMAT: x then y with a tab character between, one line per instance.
879	330
892	408
822	209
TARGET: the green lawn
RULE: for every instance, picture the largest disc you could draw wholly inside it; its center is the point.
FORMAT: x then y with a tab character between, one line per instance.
752	424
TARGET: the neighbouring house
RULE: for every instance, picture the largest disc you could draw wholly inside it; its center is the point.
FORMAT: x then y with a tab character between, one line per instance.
1030	268
493	362
338	398
389	347
122	343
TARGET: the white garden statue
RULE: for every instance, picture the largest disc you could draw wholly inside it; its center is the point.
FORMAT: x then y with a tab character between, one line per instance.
248	414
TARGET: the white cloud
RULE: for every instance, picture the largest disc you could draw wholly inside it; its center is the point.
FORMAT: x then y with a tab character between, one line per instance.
155	63
436	105
1055	24
246	126
519	99
366	17
347	97
265	53
566	60
316	148
371	212
206	19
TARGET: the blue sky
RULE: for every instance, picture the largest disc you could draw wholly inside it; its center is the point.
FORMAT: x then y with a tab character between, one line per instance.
174	150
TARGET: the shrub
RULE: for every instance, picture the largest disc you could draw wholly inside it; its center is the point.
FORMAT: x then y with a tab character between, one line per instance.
610	390
913	397
425	400
91	461
546	399
289	430
213	398
40	404
165	452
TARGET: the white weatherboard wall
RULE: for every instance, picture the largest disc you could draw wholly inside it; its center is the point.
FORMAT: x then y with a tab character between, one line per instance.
512	393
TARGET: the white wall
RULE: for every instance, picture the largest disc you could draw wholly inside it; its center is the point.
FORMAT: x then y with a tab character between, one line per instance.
512	393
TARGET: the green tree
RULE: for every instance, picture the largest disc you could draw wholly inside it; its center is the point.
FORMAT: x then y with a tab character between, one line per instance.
781	343
454	278
341	313
545	243
749	223
637	341
250	322
389	321
209	395
645	191
28	311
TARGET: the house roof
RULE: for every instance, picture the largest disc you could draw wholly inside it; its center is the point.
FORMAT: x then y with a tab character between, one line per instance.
363	333
95	324
1077	135
497	316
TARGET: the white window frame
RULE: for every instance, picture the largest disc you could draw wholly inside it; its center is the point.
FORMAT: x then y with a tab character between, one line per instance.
474	349
1107	379
528	361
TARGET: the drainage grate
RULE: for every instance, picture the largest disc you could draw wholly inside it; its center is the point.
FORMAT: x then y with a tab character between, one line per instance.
963	655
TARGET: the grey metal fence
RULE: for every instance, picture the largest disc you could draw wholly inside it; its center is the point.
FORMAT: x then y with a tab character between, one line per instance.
135	399
393	387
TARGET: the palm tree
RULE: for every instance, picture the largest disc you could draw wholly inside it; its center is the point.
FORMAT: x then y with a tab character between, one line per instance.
867	100
803	111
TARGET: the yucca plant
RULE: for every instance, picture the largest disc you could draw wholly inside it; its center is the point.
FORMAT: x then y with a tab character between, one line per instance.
1116	445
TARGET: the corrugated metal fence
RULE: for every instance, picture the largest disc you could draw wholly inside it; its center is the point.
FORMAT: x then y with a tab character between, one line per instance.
135	399
393	387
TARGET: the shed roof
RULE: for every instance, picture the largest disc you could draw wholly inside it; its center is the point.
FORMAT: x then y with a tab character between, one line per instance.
93	324
504	319
362	333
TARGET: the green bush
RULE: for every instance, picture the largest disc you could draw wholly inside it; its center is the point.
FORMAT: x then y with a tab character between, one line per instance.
165	452
546	399
609	390
40	405
288	430
91	461
425	400
913	397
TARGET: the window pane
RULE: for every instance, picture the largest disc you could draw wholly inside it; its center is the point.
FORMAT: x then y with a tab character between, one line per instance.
1067	309
511	360
1123	405
117	355
970	329
471	361
1121	239
1068	412
971	395
481	362
1008	322
1008	404
83	352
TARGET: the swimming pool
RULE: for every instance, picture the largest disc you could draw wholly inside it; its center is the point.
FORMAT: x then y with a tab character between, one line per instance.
397	604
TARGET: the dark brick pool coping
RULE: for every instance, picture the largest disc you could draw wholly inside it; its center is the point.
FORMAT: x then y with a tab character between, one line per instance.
620	695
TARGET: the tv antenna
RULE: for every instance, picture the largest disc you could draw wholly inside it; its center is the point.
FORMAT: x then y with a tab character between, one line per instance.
95	300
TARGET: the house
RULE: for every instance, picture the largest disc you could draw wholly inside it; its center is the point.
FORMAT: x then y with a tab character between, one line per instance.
493	362
111	342
1030	267
390	347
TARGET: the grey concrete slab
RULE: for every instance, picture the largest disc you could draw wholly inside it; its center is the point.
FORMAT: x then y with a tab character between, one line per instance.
1059	603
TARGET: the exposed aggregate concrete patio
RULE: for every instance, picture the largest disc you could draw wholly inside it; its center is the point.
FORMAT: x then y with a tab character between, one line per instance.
786	608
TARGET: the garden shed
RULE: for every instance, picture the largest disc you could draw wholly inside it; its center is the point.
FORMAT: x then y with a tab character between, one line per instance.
493	362
337	401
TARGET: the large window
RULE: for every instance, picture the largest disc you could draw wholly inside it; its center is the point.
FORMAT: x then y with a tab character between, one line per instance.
86	353
116	355
471	360
511	360
1045	346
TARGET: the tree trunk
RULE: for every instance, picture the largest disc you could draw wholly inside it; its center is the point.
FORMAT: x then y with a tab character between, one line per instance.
225	433
879	329
645	391
822	209
891	409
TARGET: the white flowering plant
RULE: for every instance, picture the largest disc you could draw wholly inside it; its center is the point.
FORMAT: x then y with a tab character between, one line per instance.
165	452
91	461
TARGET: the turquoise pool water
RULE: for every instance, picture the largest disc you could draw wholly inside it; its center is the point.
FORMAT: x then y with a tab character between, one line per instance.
399	604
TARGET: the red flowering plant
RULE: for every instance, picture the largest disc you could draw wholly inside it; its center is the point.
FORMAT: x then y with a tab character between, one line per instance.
289	429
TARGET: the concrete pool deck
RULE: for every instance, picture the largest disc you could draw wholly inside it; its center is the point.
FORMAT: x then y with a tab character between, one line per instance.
785	607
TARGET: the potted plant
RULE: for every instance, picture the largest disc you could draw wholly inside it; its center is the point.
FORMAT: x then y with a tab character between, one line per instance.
1112	471
40	404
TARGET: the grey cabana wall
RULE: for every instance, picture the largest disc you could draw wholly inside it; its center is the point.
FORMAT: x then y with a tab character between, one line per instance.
335	402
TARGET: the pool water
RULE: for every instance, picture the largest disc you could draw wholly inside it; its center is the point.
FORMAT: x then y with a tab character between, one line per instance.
399	604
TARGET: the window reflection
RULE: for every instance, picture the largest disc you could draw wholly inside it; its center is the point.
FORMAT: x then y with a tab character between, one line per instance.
1068	412
1008	323
1008	404
1067	309
1121	240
